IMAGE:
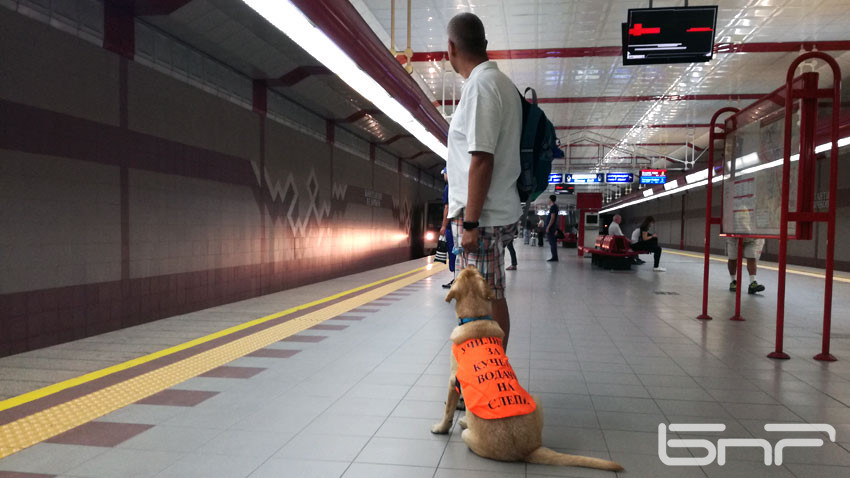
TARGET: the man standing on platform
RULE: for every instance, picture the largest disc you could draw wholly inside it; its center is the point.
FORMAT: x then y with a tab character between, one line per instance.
752	252
483	159
552	228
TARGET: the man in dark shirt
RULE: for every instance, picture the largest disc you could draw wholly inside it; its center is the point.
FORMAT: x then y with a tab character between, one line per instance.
551	227
447	231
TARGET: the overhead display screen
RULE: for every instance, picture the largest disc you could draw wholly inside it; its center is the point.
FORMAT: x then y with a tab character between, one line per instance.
653	176
564	189
619	178
669	35
584	177
555	178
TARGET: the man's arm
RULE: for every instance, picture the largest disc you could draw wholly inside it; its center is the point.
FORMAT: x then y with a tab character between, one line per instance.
445	223
552	218
480	175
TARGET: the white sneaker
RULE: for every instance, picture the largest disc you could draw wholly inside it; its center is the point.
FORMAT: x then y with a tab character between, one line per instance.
659	269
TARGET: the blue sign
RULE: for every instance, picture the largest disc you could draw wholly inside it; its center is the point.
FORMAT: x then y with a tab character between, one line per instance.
653	176
619	178
584	178
555	178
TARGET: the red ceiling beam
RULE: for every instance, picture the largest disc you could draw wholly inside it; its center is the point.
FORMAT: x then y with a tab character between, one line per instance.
722	48
150	7
596	145
625	126
359	115
396	138
341	22
628	99
297	75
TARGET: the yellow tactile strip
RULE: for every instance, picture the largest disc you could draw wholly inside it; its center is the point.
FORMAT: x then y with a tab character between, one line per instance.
761	266
45	424
98	374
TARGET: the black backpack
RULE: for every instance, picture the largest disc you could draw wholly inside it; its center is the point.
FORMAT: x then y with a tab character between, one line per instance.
536	149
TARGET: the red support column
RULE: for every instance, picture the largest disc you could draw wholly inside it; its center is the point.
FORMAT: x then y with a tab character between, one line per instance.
825	356
738	287
709	219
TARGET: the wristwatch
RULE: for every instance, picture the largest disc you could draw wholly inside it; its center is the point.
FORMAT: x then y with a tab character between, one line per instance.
470	225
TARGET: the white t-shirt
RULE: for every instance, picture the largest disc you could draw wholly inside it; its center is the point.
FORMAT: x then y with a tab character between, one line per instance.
636	235
614	230
488	119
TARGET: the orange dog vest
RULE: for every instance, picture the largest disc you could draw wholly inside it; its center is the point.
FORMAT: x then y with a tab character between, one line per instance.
489	384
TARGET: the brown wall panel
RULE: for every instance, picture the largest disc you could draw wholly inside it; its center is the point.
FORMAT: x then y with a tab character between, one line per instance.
193	202
44	67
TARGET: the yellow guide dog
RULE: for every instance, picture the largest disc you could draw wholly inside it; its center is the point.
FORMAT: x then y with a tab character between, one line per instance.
502	421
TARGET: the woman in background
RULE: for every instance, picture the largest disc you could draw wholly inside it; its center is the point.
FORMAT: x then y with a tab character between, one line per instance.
649	242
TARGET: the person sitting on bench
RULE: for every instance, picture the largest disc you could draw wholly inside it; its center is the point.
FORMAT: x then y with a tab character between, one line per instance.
649	242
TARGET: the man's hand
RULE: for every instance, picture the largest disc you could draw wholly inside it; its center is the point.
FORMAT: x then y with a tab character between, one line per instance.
470	240
443	231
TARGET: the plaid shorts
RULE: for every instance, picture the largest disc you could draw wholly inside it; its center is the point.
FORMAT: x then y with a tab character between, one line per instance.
490	259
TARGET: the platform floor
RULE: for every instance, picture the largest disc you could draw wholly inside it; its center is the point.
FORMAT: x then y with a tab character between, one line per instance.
611	356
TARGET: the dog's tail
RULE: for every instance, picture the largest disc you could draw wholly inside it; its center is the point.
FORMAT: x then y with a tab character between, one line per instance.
545	456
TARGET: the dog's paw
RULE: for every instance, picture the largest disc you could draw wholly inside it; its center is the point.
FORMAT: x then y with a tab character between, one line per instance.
440	428
462	423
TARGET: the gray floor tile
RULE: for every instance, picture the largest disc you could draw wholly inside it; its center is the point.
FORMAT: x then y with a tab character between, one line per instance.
625	404
245	443
746	469
309	446
143	414
206	466
329	424
642	465
125	463
169	438
411	428
50	458
369	470
396	451
280	468
573	438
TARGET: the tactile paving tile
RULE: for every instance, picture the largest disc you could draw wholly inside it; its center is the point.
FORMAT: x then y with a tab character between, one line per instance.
47	423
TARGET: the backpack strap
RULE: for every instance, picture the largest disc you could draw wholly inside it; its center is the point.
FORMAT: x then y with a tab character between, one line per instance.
533	95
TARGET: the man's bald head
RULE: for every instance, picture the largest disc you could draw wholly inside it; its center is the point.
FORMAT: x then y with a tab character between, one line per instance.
467	33
618	218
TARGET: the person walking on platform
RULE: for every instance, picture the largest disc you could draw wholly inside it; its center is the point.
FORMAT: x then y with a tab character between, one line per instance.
552	227
447	231
541	227
752	252
649	242
483	163
512	252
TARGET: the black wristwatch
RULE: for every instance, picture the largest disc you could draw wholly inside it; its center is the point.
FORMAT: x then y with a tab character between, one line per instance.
470	225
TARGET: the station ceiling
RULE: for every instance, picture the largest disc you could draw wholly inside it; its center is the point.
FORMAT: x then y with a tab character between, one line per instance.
569	51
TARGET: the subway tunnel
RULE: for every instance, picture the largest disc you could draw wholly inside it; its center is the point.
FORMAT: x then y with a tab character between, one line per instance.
222	236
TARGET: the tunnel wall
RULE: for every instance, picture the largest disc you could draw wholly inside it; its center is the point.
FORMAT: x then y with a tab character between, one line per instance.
130	196
671	212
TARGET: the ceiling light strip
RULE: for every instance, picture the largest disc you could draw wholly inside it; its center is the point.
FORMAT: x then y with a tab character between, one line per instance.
700	178
284	15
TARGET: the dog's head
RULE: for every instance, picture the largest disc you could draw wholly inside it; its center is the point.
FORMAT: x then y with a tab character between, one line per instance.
472	294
